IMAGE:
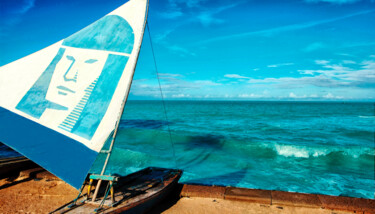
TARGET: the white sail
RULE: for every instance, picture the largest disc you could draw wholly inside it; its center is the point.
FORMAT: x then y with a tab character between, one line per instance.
59	106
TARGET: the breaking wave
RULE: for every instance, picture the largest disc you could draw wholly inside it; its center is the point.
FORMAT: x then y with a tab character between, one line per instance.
296	151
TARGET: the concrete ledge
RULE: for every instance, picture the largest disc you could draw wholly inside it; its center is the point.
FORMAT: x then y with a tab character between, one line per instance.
280	198
295	199
251	195
347	203
202	191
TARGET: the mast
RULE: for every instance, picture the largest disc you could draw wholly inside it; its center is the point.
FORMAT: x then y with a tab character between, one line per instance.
109	152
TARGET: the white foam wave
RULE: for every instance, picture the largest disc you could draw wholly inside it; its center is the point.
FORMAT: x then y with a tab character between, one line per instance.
292	151
372	117
318	153
307	152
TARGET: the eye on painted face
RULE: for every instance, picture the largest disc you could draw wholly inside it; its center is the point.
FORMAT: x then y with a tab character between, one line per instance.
76	72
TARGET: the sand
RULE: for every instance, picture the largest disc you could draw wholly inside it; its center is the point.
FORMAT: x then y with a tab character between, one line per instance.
209	205
25	195
44	193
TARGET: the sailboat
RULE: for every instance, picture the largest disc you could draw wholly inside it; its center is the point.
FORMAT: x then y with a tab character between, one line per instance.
60	105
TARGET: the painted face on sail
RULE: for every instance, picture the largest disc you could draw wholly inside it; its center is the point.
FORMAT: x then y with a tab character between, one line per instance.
75	76
75	90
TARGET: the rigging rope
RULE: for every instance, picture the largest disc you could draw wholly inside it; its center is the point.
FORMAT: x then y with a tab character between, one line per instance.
162	96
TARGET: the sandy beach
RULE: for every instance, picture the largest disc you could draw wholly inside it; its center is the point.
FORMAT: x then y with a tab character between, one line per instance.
37	191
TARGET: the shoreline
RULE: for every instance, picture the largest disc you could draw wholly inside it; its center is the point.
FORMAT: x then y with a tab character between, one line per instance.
38	191
281	198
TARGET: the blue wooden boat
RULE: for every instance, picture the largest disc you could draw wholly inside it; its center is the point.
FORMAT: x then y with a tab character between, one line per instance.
136	193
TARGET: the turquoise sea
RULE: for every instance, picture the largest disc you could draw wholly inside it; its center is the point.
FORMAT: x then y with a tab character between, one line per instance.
309	147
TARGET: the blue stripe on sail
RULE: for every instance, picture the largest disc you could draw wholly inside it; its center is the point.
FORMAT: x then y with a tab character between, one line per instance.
65	128
67	124
71	117
69	121
74	114
66	158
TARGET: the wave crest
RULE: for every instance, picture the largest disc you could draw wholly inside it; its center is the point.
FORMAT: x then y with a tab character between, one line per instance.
313	152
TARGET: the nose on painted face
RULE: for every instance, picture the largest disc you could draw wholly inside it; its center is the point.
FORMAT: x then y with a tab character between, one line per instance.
71	73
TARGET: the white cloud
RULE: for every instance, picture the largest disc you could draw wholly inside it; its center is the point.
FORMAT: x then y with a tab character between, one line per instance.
361	77
170	75
321	62
181	96
198	12
187	3
26	6
171	14
182	51
174	9
294	82
160	37
15	15
331	96
279	65
331	76
348	62
357	45
252	95
330	82
206	83
292	95
206	17
286	28
173	86
235	76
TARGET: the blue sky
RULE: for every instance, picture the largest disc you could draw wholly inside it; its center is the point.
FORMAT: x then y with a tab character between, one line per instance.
222	49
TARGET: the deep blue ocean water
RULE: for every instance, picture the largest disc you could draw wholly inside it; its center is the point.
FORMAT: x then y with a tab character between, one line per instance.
308	147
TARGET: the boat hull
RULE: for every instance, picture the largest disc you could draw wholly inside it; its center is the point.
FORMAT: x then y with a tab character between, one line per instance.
135	193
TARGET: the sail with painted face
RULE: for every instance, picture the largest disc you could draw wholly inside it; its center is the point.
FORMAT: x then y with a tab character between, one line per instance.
59	106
